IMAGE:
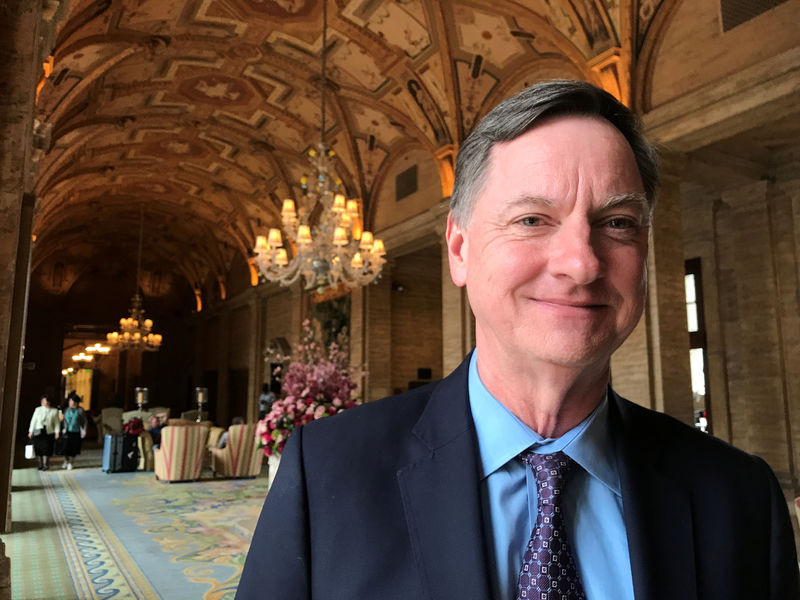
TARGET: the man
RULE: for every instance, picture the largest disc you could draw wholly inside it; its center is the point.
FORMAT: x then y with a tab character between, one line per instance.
156	425
223	439
265	400
522	475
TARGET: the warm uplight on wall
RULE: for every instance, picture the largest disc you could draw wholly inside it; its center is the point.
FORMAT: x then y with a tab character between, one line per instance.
47	70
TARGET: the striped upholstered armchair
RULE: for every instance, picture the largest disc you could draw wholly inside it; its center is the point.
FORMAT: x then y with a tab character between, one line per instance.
241	457
180	456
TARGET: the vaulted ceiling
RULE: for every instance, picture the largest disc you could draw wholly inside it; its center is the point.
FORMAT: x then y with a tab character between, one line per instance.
198	114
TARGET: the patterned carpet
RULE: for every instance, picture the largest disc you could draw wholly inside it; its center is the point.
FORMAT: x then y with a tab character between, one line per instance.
38	569
125	535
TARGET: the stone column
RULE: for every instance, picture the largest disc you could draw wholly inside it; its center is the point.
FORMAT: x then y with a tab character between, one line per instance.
20	65
15	335
223	368
358	358
255	359
201	339
666	307
378	336
298	311
783	200
760	408
458	323
631	372
652	366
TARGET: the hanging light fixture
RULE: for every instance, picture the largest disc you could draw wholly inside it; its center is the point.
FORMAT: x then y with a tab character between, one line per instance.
134	331
82	358
97	348
331	248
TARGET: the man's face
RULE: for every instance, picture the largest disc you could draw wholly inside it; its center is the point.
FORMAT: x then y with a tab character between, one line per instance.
555	251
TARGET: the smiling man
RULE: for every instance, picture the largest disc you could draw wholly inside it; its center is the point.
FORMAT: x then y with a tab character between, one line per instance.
553	255
522	474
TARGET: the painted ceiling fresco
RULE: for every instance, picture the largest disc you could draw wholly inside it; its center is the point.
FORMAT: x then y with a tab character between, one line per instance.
199	113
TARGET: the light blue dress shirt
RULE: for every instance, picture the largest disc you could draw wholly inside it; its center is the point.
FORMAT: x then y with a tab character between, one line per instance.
592	500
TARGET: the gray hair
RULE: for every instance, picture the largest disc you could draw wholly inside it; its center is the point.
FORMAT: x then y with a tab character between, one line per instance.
518	114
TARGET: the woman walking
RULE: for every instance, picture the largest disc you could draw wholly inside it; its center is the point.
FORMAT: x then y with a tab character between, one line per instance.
43	431
74	423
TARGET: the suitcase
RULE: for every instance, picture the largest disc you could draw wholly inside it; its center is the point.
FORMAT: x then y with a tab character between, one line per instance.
120	453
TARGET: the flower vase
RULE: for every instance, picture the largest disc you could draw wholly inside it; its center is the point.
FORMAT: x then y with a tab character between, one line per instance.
273	462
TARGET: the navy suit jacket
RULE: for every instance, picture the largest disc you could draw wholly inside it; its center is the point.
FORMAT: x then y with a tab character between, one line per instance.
383	502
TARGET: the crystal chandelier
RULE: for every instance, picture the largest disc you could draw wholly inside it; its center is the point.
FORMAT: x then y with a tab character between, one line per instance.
134	331
324	231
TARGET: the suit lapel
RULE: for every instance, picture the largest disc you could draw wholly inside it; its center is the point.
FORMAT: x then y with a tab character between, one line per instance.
441	496
657	510
440	488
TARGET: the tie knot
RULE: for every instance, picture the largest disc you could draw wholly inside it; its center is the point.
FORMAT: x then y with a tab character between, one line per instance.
550	470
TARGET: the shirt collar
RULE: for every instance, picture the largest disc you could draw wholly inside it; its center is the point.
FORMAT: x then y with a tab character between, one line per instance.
502	436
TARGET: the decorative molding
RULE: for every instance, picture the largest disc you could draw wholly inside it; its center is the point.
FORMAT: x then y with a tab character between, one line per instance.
446	163
612	72
752	97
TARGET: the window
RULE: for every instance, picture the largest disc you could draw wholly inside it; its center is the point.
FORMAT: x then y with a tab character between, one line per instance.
405	183
736	12
695	324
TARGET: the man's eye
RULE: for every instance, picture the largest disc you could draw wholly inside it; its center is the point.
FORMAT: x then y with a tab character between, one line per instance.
530	221
621	223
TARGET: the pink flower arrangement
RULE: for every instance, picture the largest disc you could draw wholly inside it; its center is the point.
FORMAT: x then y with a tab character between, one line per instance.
317	383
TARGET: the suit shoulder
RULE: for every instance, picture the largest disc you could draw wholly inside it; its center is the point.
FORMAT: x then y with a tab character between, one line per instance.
684	441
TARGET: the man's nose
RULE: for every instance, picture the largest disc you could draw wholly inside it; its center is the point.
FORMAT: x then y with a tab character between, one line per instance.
574	254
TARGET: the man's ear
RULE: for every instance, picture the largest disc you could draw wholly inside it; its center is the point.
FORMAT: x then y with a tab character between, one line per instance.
456	251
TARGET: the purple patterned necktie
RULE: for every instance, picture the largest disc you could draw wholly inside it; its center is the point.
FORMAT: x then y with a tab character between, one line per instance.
548	567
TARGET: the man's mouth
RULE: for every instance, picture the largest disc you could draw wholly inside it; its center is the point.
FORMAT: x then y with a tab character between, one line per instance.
571	303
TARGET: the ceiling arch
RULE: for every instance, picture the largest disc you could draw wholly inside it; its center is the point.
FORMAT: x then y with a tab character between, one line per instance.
203	112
